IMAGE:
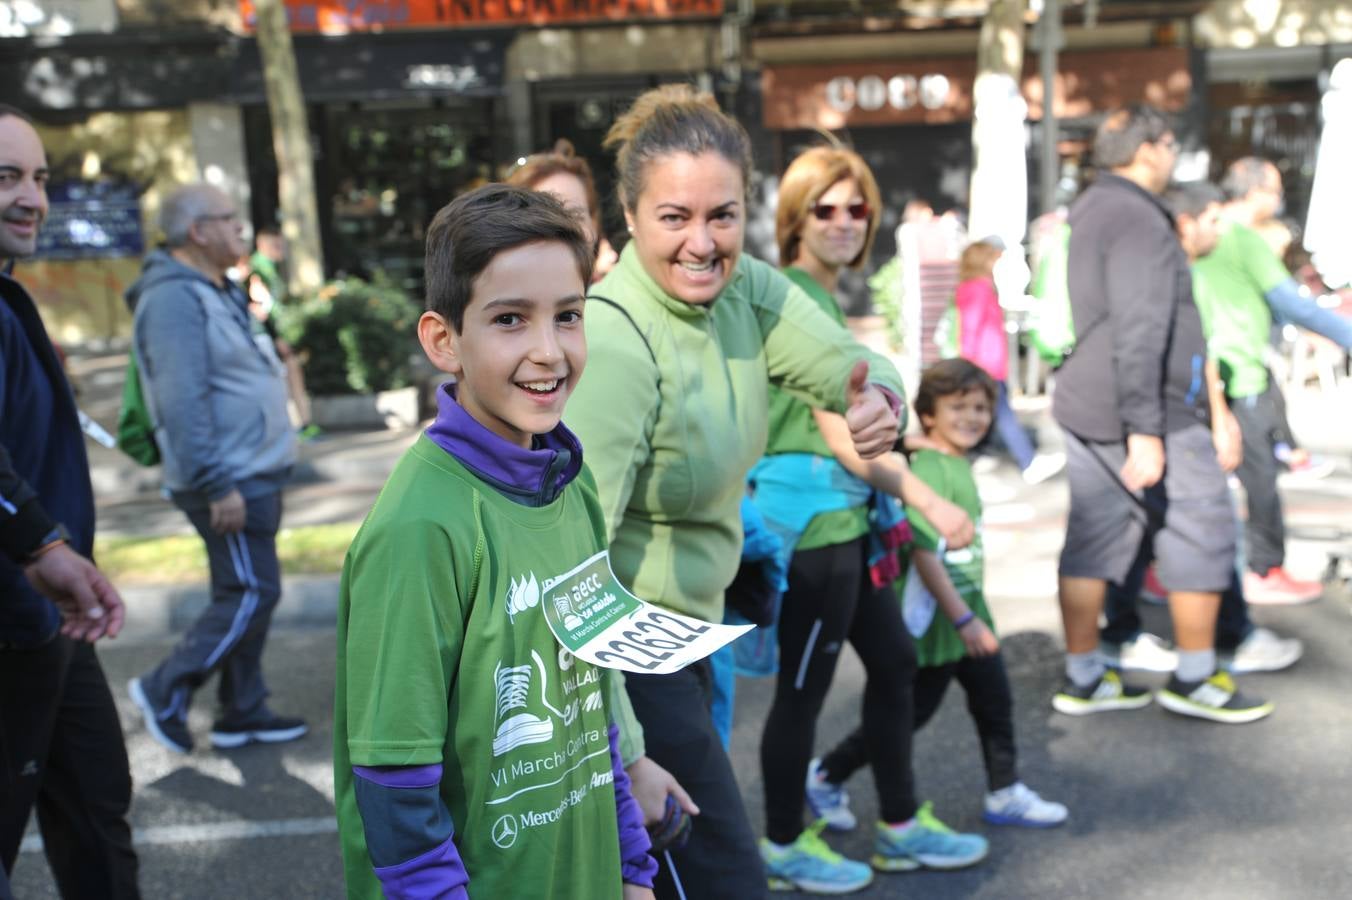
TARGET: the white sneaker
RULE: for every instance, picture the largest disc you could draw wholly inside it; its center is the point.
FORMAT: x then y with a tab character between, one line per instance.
1044	466
1020	805
1144	653
828	801
1262	651
985	464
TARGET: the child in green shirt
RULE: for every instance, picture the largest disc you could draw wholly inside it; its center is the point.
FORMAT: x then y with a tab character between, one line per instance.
472	754
944	602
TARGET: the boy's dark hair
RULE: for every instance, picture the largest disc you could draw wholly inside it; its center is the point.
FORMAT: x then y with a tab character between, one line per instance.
1192	198
1123	132
948	377
472	229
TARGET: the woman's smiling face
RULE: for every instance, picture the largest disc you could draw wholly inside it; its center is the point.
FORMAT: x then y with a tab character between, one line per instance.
688	224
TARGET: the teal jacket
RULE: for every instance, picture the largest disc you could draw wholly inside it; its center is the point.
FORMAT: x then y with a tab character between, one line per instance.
671	436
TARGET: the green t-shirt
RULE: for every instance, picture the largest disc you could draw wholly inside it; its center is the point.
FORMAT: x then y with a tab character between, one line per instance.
951	478
444	657
794	430
1235	278
266	269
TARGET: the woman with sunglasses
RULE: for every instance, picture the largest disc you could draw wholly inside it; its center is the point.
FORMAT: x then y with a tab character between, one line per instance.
685	337
815	491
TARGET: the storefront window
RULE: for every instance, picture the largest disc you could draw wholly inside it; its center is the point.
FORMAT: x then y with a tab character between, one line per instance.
381	174
389	171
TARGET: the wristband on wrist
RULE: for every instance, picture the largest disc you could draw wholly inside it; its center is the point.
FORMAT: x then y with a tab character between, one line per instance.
963	619
50	541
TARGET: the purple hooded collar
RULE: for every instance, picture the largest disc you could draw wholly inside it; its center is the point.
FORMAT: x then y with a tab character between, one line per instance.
532	477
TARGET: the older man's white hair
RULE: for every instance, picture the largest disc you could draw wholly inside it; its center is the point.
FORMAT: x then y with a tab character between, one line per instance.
184	207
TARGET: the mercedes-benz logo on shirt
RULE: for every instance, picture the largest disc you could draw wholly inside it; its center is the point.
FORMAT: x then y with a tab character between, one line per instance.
504	832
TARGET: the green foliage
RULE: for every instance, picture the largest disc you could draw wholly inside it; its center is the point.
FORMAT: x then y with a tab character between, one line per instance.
355	337
885	287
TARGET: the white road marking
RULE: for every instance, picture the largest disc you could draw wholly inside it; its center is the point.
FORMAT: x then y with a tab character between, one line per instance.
237	829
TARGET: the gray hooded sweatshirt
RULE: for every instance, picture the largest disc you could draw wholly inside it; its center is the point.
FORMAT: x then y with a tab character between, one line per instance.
217	396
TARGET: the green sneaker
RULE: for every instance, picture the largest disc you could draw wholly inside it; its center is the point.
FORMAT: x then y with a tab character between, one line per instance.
309	433
1215	699
925	842
1108	693
809	865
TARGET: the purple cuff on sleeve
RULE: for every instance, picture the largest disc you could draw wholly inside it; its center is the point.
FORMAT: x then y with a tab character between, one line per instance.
637	865
401	776
436	875
892	399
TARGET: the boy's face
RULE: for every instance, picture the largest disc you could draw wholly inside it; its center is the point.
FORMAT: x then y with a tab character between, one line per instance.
960	421
522	348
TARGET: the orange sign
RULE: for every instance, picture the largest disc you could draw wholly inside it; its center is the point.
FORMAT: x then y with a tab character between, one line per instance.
341	16
940	90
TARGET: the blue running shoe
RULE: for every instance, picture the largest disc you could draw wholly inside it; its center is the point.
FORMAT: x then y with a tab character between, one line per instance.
925	842
809	865
828	801
1019	804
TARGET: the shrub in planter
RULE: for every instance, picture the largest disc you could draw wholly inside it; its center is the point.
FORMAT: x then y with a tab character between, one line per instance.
355	337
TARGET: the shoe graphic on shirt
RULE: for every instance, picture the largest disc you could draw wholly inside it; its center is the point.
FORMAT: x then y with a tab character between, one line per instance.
516	727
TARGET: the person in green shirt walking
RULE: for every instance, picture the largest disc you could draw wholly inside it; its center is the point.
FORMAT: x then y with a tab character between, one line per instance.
818	495
944	600
687	334
1247	288
473	754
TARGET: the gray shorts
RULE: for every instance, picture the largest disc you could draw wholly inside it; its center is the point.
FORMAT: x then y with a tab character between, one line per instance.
1187	515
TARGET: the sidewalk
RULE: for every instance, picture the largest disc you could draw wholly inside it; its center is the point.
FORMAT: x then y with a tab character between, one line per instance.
336	480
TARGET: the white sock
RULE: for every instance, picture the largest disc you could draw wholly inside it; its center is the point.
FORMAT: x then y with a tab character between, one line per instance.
1195	665
1083	669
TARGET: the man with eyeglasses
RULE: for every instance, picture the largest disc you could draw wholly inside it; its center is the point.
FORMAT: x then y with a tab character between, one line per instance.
218	400
1249	288
1131	396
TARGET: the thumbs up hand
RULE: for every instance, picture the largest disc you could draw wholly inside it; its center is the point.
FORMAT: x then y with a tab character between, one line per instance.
873	425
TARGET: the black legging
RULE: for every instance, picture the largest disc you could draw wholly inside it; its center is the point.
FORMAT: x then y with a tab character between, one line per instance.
831	599
990	702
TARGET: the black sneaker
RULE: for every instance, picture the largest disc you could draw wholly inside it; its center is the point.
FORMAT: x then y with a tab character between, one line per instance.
263	726
1109	692
1215	699
170	731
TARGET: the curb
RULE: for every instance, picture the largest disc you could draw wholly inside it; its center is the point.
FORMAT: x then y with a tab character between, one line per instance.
158	611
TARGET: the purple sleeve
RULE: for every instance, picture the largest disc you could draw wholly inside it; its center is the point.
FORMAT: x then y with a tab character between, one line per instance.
636	864
409	833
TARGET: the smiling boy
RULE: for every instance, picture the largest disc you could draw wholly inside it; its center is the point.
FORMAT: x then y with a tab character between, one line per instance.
469	748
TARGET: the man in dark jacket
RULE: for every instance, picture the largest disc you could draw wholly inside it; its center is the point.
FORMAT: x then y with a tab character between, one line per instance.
1132	400
218	401
61	747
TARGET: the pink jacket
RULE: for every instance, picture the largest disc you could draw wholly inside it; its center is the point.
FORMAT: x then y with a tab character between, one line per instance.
981	327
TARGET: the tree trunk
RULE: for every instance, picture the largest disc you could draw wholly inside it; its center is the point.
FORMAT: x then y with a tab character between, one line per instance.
291	145
999	194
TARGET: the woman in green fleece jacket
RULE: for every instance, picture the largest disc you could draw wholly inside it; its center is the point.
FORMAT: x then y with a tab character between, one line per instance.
686	335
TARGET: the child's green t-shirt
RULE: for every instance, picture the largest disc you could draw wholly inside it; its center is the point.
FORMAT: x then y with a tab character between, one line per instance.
951	478
444	656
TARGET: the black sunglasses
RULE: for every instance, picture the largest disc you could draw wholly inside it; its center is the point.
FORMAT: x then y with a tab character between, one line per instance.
825	212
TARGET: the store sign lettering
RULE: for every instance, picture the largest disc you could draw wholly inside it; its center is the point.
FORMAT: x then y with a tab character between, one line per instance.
901	92
455	78
336	16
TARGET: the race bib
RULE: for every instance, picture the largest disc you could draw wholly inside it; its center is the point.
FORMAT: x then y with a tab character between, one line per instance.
595	618
918	605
